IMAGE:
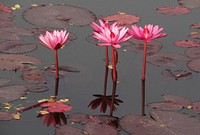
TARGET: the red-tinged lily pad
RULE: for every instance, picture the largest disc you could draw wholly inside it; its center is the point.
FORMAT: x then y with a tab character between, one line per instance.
66	130
11	93
166	59
123	18
4	81
17	62
34	76
177	100
194	65
177	74
165	106
178	123
178	10
196	107
141	125
95	128
195	25
195	35
78	118
5	116
189	3
6	16
58	16
14	33
187	43
193	52
16	47
152	47
38	88
5	9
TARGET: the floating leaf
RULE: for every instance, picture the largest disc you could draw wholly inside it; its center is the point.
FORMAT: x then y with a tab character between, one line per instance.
196	106
189	3
187	43
16	47
66	130
177	74
178	10
177	100
166	59
123	18
34	76
180	124
165	106
95	128
152	47
4	81
78	118
5	9
194	65
14	33
58	16
38	88
195	25
5	116
140	125
17	61
11	93
193	52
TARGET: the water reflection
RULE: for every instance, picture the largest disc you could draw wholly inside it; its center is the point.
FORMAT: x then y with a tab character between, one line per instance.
105	100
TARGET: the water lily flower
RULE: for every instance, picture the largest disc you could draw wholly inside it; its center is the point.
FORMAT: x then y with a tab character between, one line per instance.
54	41
111	36
148	33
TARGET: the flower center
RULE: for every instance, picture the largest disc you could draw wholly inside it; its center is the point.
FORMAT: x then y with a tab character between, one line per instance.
146	32
112	35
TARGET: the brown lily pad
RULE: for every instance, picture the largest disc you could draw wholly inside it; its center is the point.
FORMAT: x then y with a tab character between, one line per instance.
6	16
165	106
95	128
16	47
187	43
58	16
11	93
14	33
123	18
178	10
38	88
5	116
166	59
194	65
17	62
34	76
66	130
4	81
193	52
177	74
152	47
189	3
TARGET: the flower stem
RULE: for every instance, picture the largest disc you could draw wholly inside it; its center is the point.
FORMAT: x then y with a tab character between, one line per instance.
106	53
56	63
114	71
144	61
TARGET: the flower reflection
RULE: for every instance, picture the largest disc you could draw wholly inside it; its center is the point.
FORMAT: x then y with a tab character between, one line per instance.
104	101
56	118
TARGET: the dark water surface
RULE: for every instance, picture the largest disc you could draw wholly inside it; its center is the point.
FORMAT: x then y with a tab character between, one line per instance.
88	58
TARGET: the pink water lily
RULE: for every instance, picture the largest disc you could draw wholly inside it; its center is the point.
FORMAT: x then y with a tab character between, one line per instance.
54	40
110	36
148	33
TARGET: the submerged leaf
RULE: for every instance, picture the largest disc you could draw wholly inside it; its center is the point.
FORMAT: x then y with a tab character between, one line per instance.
194	65
189	3
177	74
38	88
193	52
67	130
178	10
5	116
58	16
34	76
187	43
78	118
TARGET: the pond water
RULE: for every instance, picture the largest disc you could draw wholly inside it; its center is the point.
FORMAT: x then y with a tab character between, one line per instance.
88	58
